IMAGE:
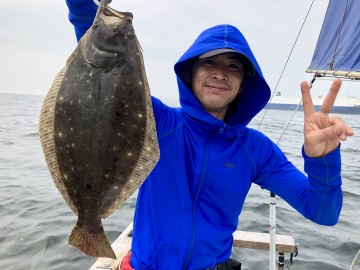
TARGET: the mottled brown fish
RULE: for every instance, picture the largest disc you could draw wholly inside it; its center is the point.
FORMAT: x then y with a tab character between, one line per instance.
97	127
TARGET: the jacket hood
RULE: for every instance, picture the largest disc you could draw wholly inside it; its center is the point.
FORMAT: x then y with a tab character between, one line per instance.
255	94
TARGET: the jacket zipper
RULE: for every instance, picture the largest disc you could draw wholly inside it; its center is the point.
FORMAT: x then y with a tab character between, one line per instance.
194	205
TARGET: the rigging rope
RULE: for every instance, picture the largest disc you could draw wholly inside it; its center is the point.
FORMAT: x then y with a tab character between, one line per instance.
296	109
282	72
357	258
272	246
331	63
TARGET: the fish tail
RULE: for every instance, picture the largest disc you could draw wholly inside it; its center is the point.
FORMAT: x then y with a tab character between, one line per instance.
92	244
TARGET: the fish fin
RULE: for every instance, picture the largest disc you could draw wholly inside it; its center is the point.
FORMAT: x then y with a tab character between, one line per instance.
70	60
46	134
92	244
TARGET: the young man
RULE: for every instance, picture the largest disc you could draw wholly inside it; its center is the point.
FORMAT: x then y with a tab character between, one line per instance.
188	207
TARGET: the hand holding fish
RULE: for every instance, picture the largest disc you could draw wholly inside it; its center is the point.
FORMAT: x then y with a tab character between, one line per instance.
322	133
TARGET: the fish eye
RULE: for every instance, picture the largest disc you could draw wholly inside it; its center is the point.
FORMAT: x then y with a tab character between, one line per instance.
116	29
107	12
131	34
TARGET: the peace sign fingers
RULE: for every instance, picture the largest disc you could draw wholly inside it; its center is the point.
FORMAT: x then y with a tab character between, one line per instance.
328	102
322	133
331	96
307	100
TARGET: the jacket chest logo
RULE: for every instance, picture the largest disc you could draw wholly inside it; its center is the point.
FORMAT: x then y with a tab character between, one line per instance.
229	165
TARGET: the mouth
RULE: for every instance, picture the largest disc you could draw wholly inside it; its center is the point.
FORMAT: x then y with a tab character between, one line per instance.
217	87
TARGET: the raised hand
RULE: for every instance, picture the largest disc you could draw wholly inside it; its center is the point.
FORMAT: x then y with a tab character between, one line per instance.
322	133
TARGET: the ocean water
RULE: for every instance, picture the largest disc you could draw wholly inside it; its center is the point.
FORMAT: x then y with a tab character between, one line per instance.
36	222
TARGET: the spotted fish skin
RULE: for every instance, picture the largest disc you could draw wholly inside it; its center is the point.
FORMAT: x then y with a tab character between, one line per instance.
97	127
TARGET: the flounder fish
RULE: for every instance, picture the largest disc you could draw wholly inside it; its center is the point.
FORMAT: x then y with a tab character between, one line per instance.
97	127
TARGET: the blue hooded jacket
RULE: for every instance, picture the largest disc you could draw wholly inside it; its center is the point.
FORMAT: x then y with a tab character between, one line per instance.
188	207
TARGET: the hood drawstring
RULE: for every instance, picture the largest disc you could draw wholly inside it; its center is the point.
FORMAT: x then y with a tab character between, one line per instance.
222	128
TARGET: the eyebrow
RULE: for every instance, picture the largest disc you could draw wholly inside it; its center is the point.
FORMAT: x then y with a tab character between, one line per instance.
230	57
234	57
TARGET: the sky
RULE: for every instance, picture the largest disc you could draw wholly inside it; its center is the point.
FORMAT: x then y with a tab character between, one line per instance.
37	38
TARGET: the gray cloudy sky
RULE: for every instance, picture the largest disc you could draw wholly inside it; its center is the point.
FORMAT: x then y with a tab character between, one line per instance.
37	38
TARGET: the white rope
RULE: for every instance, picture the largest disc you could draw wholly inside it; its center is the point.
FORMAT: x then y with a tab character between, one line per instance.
106	2
357	258
286	63
272	248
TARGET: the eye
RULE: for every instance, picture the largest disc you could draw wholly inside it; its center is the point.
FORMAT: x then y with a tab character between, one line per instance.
116	29
107	12
131	34
234	66
209	62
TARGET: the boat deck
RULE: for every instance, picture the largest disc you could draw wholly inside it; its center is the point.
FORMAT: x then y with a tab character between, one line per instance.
242	239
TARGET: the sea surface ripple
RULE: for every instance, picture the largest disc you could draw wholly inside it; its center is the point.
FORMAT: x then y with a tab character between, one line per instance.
36	222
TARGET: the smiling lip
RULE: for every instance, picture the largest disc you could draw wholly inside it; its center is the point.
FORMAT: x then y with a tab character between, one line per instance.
217	87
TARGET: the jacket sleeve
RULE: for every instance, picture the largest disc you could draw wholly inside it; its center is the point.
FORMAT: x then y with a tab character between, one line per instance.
167	118
81	15
317	195
325	186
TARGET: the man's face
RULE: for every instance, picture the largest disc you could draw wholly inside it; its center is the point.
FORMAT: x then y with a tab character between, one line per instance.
216	82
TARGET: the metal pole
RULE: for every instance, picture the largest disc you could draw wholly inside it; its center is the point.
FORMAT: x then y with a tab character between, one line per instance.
272	228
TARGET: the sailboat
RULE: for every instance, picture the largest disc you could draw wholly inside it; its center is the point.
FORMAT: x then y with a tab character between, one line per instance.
337	54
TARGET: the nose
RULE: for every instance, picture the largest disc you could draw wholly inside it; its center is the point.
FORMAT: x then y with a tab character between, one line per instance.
219	73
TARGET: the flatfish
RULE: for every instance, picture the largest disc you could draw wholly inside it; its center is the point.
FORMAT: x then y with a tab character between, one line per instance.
97	127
